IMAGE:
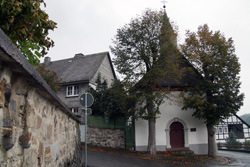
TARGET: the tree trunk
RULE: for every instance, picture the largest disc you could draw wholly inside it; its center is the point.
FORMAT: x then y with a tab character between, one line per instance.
212	149
151	124
151	137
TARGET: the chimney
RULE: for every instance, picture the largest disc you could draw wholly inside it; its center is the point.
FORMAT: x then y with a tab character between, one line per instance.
47	60
78	55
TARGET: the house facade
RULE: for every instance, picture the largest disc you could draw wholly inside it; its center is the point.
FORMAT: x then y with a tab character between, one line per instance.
175	129
233	124
78	74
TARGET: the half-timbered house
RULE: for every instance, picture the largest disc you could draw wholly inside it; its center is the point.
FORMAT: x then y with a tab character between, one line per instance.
234	124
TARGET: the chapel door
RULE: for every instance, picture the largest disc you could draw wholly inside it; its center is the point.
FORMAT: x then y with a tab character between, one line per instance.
176	135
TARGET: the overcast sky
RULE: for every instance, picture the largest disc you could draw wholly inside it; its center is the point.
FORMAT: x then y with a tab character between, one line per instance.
87	26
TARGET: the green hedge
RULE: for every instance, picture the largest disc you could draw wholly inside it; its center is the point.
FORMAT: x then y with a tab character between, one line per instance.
100	122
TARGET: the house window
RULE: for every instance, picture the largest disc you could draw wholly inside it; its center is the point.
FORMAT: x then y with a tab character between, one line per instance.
237	129
220	130
74	110
72	90
225	130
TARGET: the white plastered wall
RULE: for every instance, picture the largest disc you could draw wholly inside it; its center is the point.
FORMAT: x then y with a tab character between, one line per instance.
106	72
171	112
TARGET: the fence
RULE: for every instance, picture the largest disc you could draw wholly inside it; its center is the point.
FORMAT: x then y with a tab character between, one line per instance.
100	122
234	146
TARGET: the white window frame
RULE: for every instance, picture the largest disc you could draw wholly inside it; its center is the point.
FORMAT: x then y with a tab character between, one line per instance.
225	130
73	93
74	110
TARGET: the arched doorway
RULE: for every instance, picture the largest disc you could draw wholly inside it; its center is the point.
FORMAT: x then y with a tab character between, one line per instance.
176	135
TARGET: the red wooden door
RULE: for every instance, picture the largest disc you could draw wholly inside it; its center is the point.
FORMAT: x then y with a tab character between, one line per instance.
176	135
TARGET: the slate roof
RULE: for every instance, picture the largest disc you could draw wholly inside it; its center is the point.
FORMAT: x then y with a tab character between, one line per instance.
80	68
13	59
190	76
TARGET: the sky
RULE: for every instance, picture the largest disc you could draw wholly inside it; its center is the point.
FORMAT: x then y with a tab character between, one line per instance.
88	26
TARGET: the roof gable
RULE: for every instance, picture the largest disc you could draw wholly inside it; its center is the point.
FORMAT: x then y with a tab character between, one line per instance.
188	74
79	68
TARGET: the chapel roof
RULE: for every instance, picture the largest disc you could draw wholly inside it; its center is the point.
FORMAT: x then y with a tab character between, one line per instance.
172	69
189	76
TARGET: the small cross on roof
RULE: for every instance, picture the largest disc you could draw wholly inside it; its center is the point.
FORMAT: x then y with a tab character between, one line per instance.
164	3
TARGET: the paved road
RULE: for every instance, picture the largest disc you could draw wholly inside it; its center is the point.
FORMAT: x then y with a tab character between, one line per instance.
237	159
103	159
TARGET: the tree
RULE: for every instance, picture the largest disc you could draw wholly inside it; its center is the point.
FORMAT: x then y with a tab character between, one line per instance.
217	95
27	25
99	95
113	102
50	77
232	142
144	53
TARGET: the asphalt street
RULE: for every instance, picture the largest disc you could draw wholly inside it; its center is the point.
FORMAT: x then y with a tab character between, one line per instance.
238	159
103	159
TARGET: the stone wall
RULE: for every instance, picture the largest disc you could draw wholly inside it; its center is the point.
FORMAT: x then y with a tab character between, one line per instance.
36	129
106	137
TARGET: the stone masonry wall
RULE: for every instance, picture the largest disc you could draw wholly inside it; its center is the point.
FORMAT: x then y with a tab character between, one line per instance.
34	131
106	137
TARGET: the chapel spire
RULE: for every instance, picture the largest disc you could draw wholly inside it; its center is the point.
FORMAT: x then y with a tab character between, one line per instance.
164	4
168	45
167	32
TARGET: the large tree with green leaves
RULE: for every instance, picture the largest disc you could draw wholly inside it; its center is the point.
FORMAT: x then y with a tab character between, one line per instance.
27	25
144	53
112	102
217	95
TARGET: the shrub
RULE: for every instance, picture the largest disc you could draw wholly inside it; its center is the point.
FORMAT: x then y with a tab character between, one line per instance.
50	77
247	145
232	143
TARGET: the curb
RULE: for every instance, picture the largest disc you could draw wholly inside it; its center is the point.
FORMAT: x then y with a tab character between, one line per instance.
245	151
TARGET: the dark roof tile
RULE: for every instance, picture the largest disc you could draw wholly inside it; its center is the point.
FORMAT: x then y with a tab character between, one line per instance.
78	68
